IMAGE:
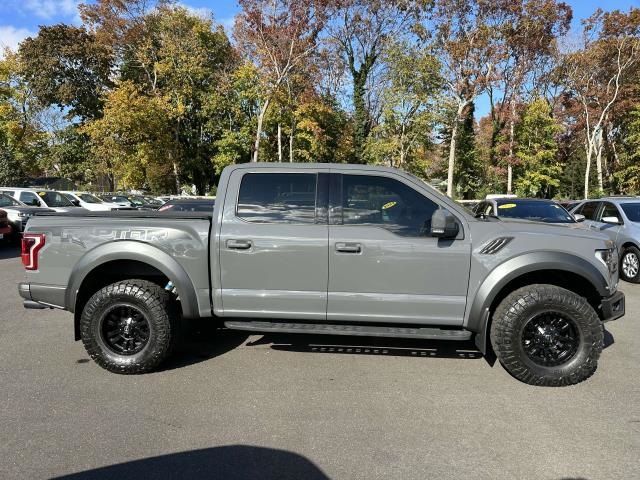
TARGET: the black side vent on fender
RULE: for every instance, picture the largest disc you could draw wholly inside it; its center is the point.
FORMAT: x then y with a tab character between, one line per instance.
495	245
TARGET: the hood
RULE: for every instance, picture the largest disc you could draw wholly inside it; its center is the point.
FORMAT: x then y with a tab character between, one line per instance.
563	229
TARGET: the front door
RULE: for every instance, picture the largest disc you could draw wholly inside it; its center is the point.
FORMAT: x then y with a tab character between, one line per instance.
383	264
273	245
607	209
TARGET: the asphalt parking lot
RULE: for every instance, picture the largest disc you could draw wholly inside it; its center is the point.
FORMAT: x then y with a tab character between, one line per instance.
305	407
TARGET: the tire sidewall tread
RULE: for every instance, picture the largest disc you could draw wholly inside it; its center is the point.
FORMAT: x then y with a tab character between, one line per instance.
521	305
160	311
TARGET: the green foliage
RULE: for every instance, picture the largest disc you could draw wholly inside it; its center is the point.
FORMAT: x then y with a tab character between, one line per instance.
539	171
628	176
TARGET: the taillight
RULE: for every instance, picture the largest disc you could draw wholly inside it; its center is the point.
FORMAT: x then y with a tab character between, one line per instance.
32	243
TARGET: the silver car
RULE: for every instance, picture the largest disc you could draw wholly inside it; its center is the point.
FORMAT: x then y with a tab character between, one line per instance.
619	218
17	212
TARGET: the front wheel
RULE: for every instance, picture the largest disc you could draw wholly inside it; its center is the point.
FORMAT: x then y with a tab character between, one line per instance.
547	335
129	326
630	265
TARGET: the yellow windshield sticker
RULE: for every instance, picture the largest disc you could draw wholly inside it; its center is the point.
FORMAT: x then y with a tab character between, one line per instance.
389	205
507	205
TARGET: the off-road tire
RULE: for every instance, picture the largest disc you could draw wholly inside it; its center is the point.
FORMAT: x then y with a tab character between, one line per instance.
631	250
525	304
160	311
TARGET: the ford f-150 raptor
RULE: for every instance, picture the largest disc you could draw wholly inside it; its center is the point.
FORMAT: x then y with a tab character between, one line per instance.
331	249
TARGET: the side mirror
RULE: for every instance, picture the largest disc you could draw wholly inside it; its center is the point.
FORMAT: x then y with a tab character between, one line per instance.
76	202
35	202
579	218
443	224
611	220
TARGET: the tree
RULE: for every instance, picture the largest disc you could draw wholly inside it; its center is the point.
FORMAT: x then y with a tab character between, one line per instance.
411	85
65	66
278	35
628	175
360	33
527	32
465	43
23	140
537	151
595	74
133	142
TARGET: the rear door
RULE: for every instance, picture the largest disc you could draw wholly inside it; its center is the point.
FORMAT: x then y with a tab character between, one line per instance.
274	244
383	264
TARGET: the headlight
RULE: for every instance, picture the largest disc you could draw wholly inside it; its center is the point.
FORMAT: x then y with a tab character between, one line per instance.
609	257
23	215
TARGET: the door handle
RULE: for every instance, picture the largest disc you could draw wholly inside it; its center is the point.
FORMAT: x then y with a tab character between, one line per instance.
348	247
239	244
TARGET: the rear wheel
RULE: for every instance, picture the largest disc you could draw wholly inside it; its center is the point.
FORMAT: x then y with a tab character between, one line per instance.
129	326
630	265
547	335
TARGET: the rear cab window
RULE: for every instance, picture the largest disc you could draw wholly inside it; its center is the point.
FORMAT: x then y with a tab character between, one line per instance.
277	198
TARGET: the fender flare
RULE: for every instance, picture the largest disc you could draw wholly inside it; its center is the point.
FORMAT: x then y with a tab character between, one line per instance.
135	251
477	318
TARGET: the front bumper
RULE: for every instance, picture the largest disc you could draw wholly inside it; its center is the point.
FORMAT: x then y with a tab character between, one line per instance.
612	307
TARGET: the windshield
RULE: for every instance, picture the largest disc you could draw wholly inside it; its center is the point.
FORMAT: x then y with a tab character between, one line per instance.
88	198
7	201
137	200
55	199
632	211
549	212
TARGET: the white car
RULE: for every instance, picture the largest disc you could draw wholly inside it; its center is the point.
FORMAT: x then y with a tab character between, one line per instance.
40	197
90	201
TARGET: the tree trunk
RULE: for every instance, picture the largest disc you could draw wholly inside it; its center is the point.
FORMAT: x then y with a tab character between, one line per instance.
452	149
598	148
256	147
177	176
512	121
361	116
279	143
293	129
587	170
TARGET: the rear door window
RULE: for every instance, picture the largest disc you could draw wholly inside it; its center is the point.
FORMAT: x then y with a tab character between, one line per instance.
277	198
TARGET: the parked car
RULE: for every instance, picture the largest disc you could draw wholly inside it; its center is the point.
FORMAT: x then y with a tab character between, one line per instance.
153	201
5	227
18	213
188	204
91	202
133	201
331	249
619	219
536	209
36	197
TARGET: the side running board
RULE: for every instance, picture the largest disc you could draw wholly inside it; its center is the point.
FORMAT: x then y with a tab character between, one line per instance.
344	329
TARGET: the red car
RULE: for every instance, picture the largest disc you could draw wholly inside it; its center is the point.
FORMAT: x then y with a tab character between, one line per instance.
5	228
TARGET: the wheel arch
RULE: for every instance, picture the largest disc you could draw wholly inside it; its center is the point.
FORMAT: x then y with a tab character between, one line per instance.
121	260
555	268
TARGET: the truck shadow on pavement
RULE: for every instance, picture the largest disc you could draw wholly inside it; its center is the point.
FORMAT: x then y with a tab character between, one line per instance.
232	462
204	340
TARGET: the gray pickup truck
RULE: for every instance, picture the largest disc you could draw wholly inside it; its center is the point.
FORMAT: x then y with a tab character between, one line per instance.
330	249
